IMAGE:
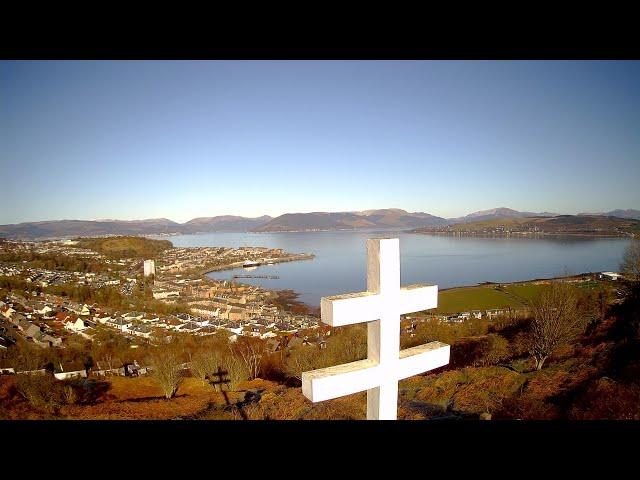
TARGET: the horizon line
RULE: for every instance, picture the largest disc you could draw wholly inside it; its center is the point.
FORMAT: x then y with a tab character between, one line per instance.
298	213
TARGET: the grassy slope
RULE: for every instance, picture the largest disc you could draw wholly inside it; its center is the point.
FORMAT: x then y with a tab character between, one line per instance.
485	297
125	398
474	298
595	377
141	399
524	292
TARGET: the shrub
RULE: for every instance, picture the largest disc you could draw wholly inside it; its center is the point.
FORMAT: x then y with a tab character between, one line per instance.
606	399
166	370
205	363
556	321
237	370
69	395
495	349
41	391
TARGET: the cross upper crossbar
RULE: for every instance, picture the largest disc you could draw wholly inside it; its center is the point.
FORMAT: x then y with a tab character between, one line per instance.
380	306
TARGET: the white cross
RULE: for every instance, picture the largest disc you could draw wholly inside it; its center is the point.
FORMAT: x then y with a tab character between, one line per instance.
381	306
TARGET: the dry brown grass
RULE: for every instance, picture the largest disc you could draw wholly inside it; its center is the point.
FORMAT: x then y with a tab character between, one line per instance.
142	398
14	406
128	398
282	403
469	390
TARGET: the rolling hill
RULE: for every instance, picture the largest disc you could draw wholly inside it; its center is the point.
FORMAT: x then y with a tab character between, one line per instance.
125	247
92	228
224	223
498	213
85	228
562	224
629	213
385	218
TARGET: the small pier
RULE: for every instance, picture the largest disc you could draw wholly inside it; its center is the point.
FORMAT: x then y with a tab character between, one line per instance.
269	277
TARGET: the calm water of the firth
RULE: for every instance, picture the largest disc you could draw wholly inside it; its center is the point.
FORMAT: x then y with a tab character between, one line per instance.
340	263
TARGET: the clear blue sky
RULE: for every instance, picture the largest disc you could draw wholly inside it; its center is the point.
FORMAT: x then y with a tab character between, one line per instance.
132	140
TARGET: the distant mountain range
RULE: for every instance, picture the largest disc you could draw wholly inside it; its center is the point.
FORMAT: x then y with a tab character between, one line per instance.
86	228
154	226
501	212
630	213
224	223
384	218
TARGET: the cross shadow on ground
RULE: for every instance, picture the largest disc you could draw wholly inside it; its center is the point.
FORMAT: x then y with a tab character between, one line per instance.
221	382
91	391
146	399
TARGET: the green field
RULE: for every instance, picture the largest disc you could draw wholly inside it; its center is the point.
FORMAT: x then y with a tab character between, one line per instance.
474	298
524	292
484	297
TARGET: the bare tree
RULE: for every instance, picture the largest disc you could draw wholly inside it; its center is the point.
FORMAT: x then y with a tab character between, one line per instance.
37	385
302	359
39	390
205	363
251	351
69	394
630	266
348	346
345	346
109	358
166	369
556	320
236	369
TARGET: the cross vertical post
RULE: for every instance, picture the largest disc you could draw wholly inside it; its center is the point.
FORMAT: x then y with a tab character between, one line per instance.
380	306
383	335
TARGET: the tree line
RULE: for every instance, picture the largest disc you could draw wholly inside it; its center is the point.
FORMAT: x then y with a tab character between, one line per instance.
49	261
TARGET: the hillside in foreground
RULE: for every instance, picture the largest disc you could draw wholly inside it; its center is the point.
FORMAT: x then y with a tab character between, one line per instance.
596	375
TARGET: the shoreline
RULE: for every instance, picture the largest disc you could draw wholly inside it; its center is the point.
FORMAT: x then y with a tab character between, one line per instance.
518	282
232	266
459	234
528	234
460	287
289	296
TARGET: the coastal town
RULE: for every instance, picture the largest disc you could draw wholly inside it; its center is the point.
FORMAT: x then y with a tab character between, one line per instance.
533	226
183	299
175	279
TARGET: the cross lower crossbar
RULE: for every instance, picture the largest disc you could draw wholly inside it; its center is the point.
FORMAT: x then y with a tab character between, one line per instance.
340	380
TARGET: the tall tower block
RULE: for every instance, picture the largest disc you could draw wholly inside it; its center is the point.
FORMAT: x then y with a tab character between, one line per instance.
149	268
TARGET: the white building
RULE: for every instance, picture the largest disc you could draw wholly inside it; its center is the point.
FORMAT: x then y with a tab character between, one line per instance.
45	310
610	275
75	370
149	267
76	326
121	324
165	294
